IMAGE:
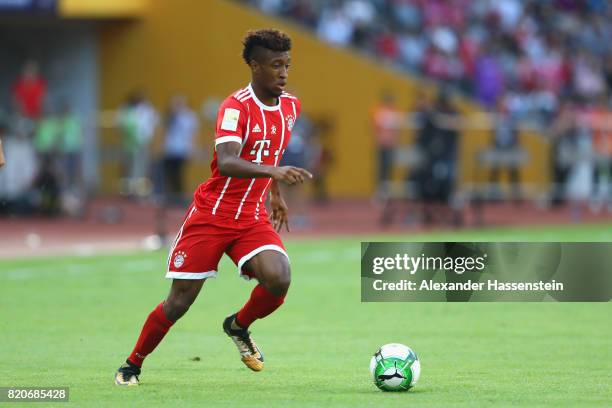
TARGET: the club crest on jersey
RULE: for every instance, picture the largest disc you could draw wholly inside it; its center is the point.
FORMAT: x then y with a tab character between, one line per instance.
179	259
290	121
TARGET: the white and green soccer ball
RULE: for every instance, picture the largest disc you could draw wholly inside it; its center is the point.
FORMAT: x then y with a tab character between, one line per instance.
395	367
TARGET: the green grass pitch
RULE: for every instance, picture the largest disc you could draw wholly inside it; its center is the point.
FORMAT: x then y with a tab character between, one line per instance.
71	321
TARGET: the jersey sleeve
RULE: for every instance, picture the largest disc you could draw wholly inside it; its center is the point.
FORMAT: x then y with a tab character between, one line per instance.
231	122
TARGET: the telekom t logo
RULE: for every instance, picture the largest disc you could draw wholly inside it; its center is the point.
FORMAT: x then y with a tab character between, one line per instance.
260	149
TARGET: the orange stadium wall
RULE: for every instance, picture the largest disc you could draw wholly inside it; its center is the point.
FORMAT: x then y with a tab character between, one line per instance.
194	47
102	8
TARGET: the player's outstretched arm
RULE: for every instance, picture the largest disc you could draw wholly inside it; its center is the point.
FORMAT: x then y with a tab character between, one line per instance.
231	165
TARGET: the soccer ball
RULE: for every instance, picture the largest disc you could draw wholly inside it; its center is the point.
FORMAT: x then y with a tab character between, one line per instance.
395	367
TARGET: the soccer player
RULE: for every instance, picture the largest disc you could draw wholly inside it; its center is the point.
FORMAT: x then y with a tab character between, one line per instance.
228	214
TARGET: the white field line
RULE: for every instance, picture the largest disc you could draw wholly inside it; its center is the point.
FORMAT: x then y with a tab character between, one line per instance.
48	248
76	269
80	269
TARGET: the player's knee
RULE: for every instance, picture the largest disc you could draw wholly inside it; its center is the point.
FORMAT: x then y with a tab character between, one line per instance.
182	294
176	306
279	279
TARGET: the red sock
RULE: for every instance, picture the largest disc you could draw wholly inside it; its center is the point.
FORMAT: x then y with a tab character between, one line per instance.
261	304
155	328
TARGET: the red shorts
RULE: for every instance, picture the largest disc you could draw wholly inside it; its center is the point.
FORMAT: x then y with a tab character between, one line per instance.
203	238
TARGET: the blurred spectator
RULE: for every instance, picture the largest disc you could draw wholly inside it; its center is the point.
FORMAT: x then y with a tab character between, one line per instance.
387	121
580	175
362	14
563	133
443	65
70	145
488	78
320	158
412	46
411	159
439	149
46	140
424	118
608	75
47	189
508	12
137	122
386	45
506	148
29	91
335	26
181	124
18	174
270	6
589	80
600	118
406	13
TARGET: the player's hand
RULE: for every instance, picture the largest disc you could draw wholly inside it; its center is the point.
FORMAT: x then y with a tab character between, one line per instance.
280	212
290	174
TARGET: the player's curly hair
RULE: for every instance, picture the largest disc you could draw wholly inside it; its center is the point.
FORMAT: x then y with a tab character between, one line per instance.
268	38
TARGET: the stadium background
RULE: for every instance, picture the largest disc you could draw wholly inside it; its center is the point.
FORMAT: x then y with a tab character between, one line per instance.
96	53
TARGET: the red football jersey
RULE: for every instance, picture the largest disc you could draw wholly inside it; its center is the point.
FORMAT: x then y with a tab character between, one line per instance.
263	132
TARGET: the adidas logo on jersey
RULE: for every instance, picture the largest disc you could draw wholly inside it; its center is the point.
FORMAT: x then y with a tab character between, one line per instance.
256	128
